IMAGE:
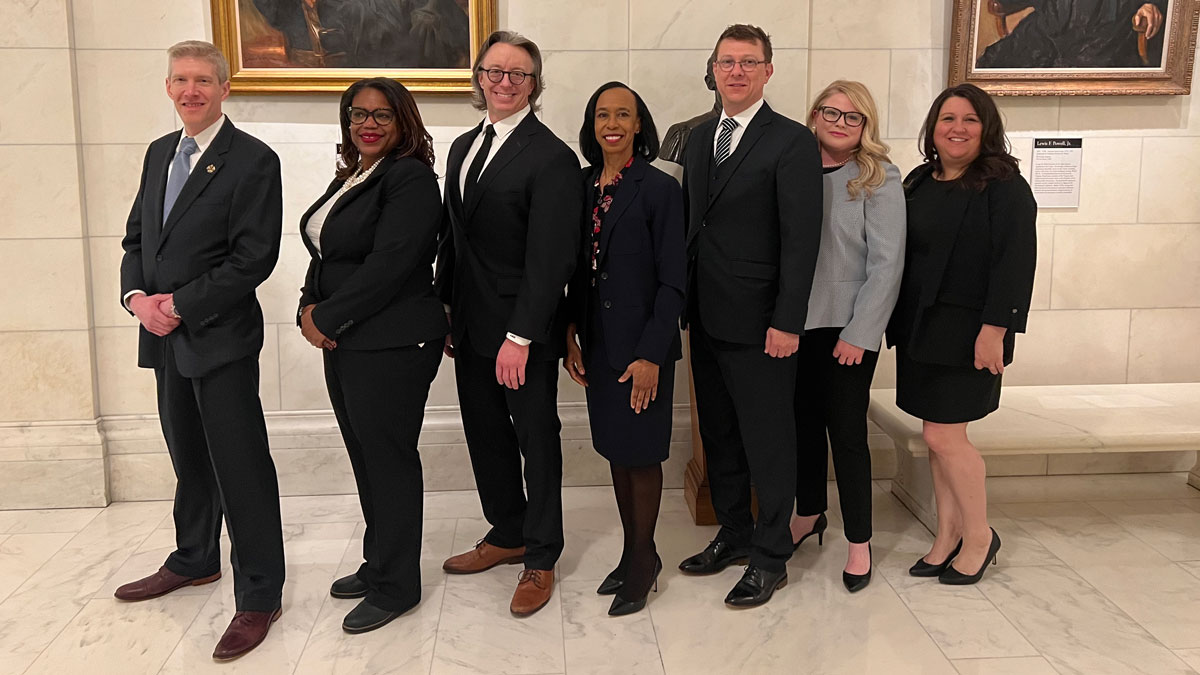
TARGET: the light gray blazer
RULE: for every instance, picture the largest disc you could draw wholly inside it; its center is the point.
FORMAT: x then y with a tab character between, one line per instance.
861	258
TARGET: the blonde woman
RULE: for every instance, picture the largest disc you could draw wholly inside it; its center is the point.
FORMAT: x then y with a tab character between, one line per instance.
854	290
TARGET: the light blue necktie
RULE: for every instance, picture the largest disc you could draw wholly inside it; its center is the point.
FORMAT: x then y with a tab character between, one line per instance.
181	166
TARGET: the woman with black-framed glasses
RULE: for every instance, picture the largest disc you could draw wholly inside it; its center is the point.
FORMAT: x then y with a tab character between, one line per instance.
368	304
854	290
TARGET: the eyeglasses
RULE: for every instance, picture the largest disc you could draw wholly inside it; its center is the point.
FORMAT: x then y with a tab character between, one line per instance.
748	65
516	77
832	115
383	116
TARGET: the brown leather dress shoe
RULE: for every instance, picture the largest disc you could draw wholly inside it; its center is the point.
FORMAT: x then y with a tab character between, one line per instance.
483	557
245	632
533	592
160	583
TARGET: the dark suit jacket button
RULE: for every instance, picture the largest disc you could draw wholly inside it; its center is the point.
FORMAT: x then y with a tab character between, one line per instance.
158	258
1014	311
604	275
608	304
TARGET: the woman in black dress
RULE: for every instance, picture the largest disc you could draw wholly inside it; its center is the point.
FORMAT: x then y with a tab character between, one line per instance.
626	298
968	279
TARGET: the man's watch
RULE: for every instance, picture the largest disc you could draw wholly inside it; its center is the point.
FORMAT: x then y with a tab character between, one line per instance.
175	312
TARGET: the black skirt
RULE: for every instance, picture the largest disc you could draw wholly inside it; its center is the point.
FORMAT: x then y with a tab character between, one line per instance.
621	436
945	394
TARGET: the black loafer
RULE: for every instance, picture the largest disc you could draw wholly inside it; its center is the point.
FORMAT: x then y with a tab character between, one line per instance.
756	587
367	617
348	587
715	557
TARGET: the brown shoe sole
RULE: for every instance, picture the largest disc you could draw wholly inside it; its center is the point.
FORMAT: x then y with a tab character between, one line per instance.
247	650
192	582
512	560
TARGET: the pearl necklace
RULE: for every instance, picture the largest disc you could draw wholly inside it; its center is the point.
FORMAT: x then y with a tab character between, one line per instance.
357	178
838	165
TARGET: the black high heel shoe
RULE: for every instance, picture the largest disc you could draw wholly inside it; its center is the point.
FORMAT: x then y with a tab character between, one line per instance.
924	569
818	529
955	578
612	583
856	582
621	606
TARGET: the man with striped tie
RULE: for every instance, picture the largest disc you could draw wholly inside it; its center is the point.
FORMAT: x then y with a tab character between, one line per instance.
753	202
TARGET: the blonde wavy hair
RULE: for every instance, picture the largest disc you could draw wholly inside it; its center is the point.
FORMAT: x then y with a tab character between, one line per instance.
871	153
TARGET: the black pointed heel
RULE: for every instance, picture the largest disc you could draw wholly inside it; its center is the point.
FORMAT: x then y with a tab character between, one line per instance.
924	569
612	583
856	582
955	578
621	606
818	529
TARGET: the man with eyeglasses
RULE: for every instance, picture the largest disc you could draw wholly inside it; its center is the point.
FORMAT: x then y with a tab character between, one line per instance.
513	200
753	200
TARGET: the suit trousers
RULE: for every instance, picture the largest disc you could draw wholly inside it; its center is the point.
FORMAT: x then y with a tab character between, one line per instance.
744	402
217	439
831	402
501	426
379	400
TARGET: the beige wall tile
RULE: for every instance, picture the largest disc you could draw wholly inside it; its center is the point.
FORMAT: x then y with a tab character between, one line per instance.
140	477
1126	266
34	23
572	77
1023	114
787	92
905	154
696	24
1162	345
1042	275
135	24
1071	347
52	484
1110	169
571	24
314	471
111	174
106	257
307	169
124	388
671	82
280	293
301	374
1131	113
39	187
843	24
871	67
1168	191
44	76
42	285
122	96
885	369
268	368
917	76
48	376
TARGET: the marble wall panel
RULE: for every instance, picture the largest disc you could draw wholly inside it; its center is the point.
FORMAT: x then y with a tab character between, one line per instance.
917	76
1139	266
44	76
576	25
571	77
872	67
110	179
849	24
1110	170
1043	273
122	96
696	24
39	187
1169	169
124	388
135	24
143	477
60	301
306	169
1143	115
301	375
1026	114
279	295
52	484
48	376
1162	345
671	82
1071	347
269	390
34	23
106	254
787	92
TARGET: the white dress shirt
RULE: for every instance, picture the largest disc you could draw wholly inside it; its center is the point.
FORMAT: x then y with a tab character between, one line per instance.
743	118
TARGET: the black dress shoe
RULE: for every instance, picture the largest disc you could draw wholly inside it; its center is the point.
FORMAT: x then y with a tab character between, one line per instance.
620	606
955	578
856	582
756	587
348	587
819	527
924	569
367	617
715	557
612	583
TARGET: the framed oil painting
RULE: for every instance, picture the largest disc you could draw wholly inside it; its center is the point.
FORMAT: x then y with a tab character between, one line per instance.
324	45
1074	47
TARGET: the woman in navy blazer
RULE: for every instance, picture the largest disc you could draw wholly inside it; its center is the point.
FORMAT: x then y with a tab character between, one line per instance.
626	298
368	302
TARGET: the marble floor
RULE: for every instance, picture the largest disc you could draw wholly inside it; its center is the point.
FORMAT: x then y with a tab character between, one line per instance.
1098	574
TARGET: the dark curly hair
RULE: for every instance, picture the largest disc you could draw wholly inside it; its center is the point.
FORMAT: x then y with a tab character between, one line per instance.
995	160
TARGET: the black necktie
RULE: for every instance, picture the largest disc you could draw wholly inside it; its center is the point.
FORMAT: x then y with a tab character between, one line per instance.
476	168
725	139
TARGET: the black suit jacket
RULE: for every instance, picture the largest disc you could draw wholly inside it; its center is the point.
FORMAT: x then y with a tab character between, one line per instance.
220	241
981	271
641	268
372	282
754	228
505	257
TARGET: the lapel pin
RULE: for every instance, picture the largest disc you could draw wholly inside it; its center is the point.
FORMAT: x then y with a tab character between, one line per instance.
211	168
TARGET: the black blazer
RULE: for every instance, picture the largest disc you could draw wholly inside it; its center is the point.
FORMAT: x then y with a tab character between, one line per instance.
641	269
505	257
219	243
754	228
979	270
372	282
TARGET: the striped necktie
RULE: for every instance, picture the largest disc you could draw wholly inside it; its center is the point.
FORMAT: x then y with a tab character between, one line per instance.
725	139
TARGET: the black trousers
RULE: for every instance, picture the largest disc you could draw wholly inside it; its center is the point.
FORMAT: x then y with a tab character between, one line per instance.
744	401
379	399
502	426
217	439
832	399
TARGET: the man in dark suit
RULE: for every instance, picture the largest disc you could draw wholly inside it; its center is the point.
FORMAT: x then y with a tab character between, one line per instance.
203	233
513	201
752	180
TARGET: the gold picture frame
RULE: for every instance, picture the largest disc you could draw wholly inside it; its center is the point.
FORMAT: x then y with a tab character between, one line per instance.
1126	65
273	68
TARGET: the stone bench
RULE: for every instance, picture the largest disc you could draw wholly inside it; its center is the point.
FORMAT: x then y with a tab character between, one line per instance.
1050	420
